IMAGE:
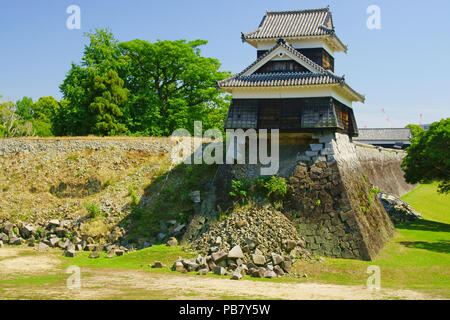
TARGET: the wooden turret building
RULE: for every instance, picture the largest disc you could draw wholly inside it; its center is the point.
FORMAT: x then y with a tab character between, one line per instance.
292	85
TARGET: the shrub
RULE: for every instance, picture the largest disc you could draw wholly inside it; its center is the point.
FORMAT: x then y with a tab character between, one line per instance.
240	188
93	209
276	187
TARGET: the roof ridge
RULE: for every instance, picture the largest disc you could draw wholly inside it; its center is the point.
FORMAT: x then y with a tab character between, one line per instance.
307	22
298	11
287	73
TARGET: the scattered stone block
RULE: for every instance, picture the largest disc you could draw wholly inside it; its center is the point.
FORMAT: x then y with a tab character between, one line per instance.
219	270
218	256
203	272
287	266
258	259
276	259
94	255
173	242
71	253
236	253
42	247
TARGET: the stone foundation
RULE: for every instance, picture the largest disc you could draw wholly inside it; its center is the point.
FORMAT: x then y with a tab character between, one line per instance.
334	205
331	201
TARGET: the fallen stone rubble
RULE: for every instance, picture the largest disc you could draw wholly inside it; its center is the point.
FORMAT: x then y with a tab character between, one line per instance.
64	235
259	242
398	210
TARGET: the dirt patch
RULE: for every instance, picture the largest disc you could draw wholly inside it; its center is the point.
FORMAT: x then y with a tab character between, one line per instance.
137	284
210	288
8	253
12	263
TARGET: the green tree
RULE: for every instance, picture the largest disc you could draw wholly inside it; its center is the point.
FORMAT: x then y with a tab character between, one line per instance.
45	111
45	108
415	130
428	157
108	96
24	108
80	112
172	85
168	85
11	123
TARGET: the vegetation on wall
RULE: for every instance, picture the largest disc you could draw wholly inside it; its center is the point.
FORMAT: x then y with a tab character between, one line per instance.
272	187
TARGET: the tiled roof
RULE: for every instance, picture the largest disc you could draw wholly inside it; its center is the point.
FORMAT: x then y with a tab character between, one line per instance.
276	24
384	134
320	77
287	47
281	79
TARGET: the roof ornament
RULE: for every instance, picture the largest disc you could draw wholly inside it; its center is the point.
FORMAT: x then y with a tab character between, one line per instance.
243	37
281	41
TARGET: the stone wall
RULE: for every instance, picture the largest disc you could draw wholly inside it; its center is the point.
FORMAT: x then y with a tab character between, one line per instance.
333	204
331	201
66	145
383	168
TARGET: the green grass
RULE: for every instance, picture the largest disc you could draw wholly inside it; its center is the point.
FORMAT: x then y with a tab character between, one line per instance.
38	280
425	199
417	258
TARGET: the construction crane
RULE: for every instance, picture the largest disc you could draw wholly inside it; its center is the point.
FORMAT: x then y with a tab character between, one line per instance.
386	117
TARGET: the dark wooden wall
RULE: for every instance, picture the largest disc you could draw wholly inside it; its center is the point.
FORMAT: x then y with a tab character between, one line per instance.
282	66
317	55
291	115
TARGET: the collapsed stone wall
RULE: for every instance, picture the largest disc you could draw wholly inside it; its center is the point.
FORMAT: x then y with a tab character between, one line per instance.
331	201
383	168
333	204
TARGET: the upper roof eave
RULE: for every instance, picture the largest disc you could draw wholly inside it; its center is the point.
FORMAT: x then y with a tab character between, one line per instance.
336	42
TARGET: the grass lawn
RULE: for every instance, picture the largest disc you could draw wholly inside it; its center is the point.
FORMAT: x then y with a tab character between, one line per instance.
417	258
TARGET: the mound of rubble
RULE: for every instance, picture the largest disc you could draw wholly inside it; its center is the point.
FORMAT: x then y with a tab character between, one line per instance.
398	210
258	241
64	234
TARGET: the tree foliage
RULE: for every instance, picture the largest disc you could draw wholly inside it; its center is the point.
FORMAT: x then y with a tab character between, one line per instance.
108	95
133	88
11	123
143	88
415	130
173	85
428	157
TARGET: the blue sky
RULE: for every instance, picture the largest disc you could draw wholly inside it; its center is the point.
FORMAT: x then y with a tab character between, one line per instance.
403	67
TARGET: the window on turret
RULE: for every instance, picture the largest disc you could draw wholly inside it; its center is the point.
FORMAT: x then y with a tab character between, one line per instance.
279	66
319	56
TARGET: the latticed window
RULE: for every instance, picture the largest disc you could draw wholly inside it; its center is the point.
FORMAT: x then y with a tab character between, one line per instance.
317	113
242	114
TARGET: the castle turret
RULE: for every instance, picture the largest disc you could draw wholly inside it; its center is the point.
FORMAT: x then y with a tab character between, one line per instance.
292	85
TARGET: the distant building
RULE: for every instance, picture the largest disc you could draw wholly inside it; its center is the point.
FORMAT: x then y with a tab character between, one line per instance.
425	126
385	137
